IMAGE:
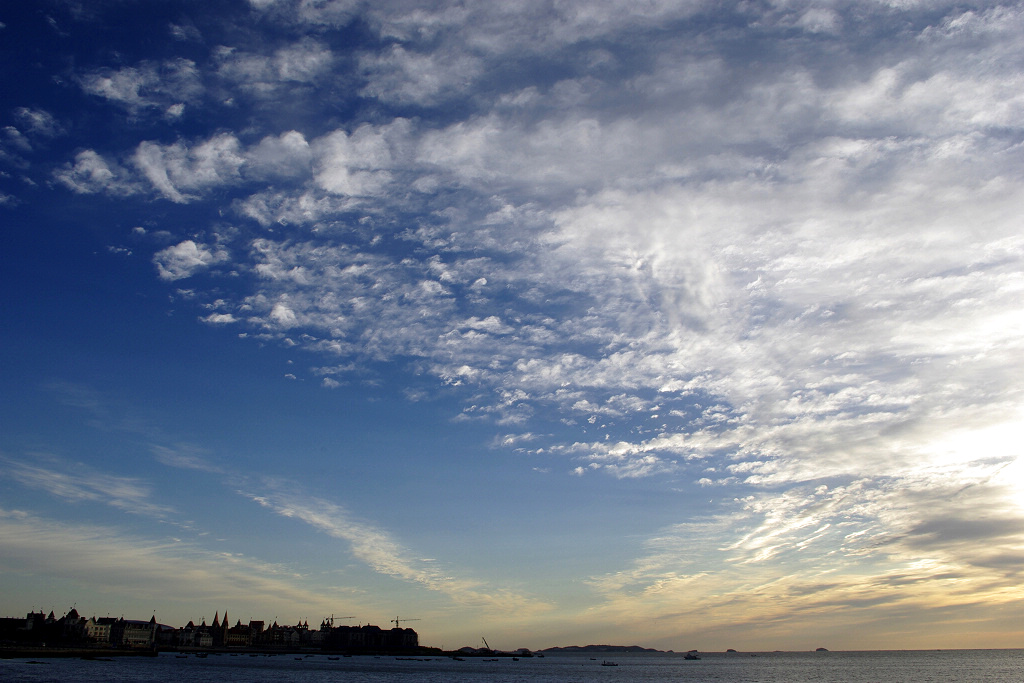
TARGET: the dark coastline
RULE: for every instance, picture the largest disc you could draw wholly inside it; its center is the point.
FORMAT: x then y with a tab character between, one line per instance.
79	653
103	653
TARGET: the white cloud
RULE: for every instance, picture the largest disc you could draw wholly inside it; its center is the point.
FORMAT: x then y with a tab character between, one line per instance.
17	140
302	62
283	315
523	26
185	259
149	84
820	20
176	169
219	318
491	323
268	75
185	32
403	76
39	122
267	208
92	173
359	164
287	155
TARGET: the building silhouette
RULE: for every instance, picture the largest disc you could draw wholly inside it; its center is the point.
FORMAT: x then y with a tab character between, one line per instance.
73	630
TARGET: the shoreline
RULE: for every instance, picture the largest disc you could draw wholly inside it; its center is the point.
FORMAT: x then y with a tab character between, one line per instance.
75	652
104	653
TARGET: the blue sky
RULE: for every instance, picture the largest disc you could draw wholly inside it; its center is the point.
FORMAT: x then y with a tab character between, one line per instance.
668	323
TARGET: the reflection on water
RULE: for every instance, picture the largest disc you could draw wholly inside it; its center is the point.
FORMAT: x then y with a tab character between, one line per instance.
977	666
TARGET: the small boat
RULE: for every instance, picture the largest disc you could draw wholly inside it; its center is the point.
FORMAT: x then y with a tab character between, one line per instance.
607	663
692	654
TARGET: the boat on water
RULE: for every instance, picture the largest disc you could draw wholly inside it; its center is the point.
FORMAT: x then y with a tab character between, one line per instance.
692	654
607	663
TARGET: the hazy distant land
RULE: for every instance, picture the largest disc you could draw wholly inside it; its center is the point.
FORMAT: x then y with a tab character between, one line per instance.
602	648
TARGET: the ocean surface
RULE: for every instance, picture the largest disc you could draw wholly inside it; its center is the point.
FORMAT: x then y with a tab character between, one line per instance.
962	666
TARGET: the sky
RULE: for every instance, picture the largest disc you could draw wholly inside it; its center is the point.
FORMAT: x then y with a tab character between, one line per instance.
674	323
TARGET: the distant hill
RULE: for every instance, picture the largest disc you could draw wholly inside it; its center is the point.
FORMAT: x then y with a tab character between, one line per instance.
602	648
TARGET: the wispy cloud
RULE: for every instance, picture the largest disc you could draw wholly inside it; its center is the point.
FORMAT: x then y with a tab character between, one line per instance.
77	483
122	569
186	456
786	563
384	554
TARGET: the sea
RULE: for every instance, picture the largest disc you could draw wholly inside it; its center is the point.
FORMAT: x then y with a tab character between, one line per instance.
903	666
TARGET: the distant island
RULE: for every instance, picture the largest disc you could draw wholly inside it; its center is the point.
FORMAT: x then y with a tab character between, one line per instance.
602	648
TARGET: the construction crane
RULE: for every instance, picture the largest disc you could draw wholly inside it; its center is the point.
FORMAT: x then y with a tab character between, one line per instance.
333	618
397	622
486	646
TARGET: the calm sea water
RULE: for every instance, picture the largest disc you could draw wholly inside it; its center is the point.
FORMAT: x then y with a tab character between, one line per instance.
962	666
